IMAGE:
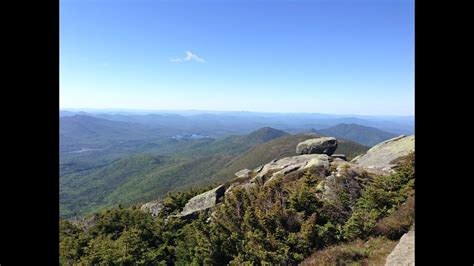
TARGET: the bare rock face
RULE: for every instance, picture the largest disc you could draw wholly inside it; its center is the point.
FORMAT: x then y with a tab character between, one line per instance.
325	145
153	207
380	157
404	252
203	201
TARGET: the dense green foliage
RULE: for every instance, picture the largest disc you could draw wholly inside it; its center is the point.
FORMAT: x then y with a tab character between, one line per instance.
281	222
381	197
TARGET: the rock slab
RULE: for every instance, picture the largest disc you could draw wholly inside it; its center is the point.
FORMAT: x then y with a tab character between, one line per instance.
381	156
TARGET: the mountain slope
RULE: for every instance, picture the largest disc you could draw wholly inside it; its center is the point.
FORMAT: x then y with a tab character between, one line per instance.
134	179
98	179
364	135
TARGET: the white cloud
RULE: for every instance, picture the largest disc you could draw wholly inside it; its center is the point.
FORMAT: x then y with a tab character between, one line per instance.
189	57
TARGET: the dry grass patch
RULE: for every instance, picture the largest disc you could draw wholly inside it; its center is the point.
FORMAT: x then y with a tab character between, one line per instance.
372	252
399	222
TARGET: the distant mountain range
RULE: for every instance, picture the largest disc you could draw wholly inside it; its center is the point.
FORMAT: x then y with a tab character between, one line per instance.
219	124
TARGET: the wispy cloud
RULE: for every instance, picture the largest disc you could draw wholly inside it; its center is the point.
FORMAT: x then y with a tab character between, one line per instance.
189	57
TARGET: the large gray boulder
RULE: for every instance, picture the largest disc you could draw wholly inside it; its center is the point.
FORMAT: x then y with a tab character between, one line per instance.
203	201
325	145
153	207
381	157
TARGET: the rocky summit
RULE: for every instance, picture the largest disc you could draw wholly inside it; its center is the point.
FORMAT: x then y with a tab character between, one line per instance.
324	145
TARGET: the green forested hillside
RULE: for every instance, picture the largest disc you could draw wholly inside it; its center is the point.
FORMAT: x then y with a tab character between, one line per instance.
130	174
145	172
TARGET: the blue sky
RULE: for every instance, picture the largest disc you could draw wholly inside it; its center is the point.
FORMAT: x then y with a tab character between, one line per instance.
351	56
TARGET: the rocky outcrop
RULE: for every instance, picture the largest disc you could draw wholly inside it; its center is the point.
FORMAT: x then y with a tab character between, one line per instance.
202	201
153	207
336	171
289	164
381	157
325	145
404	252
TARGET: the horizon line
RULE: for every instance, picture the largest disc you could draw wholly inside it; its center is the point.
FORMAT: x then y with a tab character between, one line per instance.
84	109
